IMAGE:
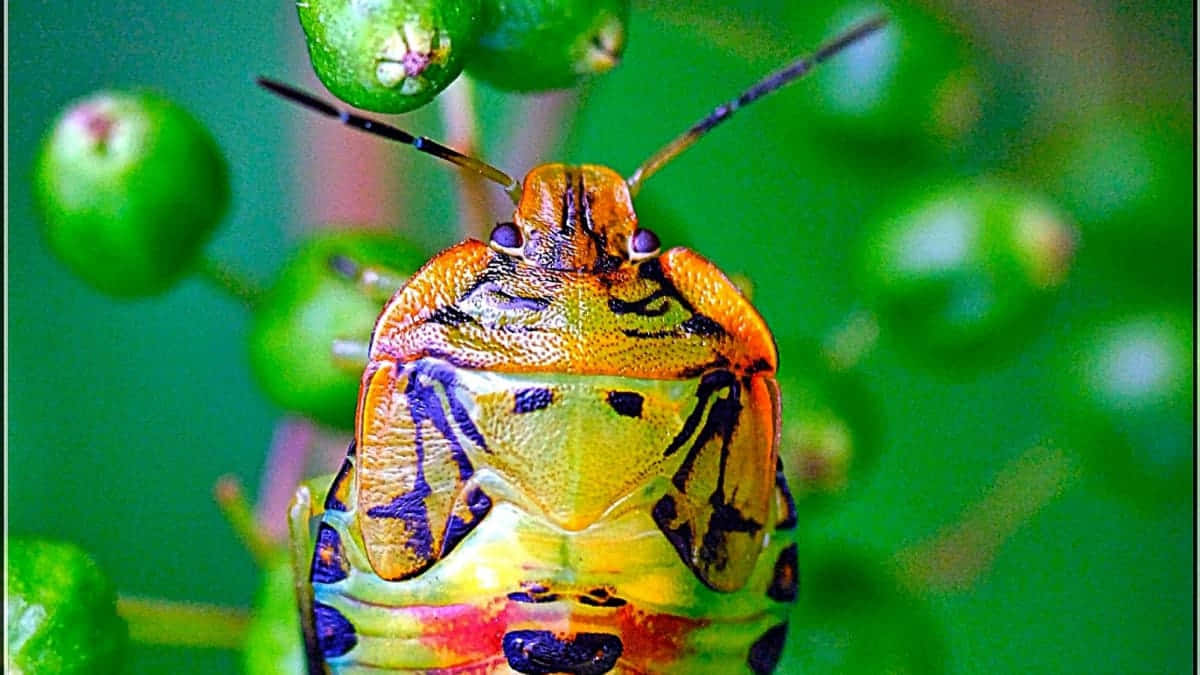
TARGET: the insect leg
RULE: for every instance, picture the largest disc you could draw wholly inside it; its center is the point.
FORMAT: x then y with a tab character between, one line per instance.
301	548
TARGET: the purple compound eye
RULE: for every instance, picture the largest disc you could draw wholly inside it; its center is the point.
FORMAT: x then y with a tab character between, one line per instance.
643	244
507	237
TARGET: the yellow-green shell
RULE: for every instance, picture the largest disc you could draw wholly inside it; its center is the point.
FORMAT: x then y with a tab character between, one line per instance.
561	464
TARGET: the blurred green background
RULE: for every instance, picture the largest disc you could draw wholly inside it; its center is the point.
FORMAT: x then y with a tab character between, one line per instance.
122	414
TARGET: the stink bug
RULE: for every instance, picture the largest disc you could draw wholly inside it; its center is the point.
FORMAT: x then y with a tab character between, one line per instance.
565	456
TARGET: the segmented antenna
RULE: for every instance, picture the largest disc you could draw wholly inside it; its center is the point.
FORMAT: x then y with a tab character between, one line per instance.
511	186
776	80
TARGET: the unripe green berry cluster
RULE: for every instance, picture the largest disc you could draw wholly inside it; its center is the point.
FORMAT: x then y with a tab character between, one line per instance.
130	187
392	56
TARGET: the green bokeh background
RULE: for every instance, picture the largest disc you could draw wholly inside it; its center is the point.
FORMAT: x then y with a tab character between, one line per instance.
121	415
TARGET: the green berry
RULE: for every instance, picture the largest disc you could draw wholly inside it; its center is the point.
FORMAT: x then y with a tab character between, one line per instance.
961	275
309	306
131	187
389	56
852	617
274	645
830	429
1128	392
913	80
60	611
1125	175
535	45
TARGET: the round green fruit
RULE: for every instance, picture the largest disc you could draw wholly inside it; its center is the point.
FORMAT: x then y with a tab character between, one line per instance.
1125	174
912	81
830	429
1129	394
311	305
60	611
960	275
535	45
131	187
389	56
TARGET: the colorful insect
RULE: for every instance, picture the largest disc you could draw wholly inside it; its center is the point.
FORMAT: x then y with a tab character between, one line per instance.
565	457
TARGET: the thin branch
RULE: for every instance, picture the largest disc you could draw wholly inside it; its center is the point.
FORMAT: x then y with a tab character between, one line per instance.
232	499
286	465
178	624
955	558
235	284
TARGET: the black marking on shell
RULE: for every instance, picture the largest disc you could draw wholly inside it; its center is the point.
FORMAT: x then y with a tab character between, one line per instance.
627	403
449	315
758	366
785	581
665	512
648	334
720	419
652	269
501	299
701	325
425	404
531	399
605	261
329	564
534	592
641	307
696	324
709	384
410	507
696	371
335	633
600	597
332	503
541	652
766	650
787	519
535	598
478	505
725	519
569	211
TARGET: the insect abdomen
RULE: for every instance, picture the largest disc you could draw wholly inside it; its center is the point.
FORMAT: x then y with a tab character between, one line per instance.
515	576
572	556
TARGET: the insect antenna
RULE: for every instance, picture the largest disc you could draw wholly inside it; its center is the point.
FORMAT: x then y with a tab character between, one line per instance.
511	186
776	80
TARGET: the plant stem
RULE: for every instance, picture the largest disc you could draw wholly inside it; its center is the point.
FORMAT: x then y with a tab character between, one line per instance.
287	465
232	499
178	624
232	282
956	557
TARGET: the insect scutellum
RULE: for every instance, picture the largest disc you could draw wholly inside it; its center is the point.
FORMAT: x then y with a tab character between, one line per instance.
640	243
